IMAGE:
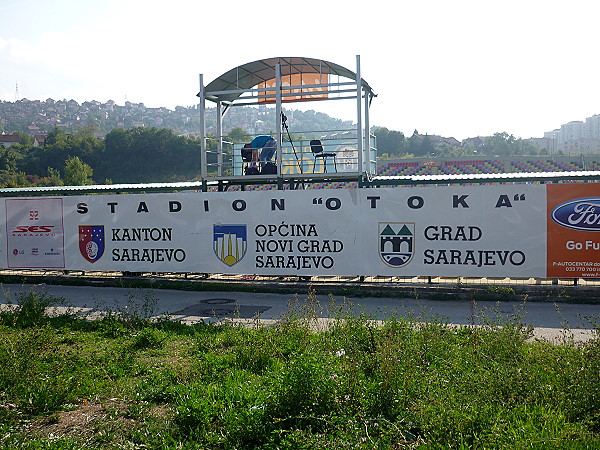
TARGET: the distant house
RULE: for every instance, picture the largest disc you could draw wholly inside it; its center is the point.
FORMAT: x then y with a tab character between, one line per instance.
7	140
109	105
474	142
438	141
39	140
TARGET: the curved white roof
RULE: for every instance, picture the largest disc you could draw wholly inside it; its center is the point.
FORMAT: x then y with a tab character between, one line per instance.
253	73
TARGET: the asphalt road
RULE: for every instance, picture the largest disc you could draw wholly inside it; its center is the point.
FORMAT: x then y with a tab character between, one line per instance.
551	321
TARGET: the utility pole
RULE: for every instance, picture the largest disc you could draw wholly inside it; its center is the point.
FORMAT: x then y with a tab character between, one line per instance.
16	91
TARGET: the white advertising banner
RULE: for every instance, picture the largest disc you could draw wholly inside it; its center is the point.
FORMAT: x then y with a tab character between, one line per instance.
34	233
495	230
460	230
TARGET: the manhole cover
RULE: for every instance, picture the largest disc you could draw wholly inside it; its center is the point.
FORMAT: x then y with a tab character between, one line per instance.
217	301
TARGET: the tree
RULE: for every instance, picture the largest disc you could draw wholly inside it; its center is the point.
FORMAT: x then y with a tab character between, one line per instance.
414	144
13	179
390	141
500	143
426	147
77	173
8	158
147	154
56	137
59	147
450	151
53	178
507	144
238	134
24	139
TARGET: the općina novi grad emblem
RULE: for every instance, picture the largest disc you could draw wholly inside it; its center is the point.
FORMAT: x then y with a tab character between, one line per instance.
396	243
230	243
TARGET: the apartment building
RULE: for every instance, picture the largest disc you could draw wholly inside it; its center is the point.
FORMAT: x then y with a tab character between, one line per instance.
576	137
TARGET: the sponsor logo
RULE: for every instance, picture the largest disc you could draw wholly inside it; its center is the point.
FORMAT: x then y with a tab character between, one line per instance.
91	242
396	243
34	215
230	243
34	229
581	214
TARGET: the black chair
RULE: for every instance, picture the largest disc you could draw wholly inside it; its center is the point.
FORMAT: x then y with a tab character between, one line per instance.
317	149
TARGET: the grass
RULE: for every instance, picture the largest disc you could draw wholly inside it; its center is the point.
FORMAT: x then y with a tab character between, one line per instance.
125	381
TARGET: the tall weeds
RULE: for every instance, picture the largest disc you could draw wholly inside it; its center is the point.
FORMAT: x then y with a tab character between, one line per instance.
353	382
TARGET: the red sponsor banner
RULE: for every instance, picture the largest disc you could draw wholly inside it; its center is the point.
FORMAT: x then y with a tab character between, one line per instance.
573	230
297	80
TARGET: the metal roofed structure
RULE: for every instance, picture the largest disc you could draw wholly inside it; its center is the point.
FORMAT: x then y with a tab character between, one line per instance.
232	84
275	81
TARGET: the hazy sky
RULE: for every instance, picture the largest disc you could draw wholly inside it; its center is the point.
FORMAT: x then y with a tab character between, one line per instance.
457	68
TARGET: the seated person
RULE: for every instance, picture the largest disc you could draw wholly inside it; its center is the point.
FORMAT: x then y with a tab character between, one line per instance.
247	153
250	158
267	146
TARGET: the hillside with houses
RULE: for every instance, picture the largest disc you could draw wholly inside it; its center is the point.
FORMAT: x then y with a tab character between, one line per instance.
40	117
37	118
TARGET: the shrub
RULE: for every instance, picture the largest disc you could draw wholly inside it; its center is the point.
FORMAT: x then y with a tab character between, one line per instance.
149	338
31	309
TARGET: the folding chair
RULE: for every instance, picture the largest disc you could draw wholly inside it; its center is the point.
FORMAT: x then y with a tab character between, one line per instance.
317	149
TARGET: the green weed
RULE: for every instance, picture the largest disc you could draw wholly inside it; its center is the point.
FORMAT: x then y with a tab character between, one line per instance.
149	338
503	291
31	309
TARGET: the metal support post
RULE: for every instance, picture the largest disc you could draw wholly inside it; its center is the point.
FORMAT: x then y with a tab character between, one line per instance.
201	108
359	133
219	139
278	115
367	139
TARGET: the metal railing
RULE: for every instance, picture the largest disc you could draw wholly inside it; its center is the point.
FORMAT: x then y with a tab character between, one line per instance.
340	156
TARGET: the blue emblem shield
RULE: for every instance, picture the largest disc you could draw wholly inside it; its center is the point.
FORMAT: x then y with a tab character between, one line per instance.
396	243
91	242
230	243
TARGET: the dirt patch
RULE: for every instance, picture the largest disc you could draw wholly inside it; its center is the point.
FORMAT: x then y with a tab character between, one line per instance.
92	420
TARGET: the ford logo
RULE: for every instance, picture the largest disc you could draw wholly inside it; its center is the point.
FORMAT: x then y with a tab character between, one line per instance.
581	214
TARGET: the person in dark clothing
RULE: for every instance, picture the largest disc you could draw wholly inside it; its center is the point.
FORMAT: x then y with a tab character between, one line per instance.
267	146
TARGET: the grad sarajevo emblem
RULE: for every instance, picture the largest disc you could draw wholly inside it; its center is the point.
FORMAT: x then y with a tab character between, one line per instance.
396	243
